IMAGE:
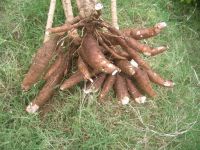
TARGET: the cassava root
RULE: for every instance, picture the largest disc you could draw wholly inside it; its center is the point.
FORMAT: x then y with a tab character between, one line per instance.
100	54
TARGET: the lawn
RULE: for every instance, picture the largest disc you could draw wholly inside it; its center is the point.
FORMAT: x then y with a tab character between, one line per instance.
72	120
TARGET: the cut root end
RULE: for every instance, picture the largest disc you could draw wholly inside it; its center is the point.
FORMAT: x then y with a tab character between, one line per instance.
161	25
141	100
98	6
125	100
169	83
32	108
62	88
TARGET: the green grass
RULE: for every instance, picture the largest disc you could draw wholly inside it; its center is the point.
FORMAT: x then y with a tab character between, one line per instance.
170	121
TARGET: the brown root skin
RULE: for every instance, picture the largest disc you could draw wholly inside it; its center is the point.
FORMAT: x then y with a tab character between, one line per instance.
109	49
134	92
137	58
125	67
137	45
100	52
109	39
121	90
65	27
75	20
48	89
45	94
144	33
92	55
53	68
71	50
120	52
83	68
132	53
96	85
77	41
143	82
113	44
157	79
72	80
108	84
158	50
74	37
145	49
40	62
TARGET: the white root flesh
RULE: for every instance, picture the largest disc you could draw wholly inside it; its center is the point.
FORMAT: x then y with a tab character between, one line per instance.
161	25
125	100
169	83
133	63
141	100
32	108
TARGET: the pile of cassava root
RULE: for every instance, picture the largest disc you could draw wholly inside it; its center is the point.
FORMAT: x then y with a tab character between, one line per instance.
88	48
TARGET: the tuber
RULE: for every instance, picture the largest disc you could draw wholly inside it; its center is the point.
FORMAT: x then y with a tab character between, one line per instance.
144	33
96	85
83	68
92	55
157	79
143	82
134	92
126	67
108	84
40	62
49	88
90	49
121	90
72	80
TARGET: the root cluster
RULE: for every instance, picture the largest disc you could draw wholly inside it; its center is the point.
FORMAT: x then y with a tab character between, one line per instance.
90	49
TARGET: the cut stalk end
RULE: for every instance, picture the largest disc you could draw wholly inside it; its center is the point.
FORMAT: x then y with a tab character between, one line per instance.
98	6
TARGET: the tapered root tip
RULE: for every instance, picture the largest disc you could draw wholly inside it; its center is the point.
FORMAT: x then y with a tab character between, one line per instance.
125	100
141	100
158	50
169	83
161	25
32	108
